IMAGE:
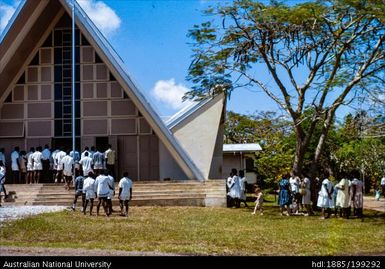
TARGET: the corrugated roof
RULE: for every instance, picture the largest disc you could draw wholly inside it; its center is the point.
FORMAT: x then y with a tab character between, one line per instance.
252	147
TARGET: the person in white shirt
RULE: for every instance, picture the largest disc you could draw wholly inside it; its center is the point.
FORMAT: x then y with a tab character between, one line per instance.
76	158
46	155
89	191
112	192
110	158
325	199
125	193
242	184
86	149
30	165
92	151
86	163
53	164
67	162
102	189
98	162
2	155
15	165
235	188
37	164
59	166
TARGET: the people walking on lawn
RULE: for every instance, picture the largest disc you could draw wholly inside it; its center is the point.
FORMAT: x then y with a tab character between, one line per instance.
284	197
259	201
89	190
125	193
325	197
102	189
111	193
79	184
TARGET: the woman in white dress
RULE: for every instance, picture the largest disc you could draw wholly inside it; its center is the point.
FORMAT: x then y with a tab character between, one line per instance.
342	202
306	195
235	188
242	184
325	199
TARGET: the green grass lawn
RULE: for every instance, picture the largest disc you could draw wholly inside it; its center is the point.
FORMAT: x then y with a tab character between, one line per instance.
198	230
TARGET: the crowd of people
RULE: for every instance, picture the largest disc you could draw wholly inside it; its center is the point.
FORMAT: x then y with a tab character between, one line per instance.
102	187
332	197
91	173
296	195
57	165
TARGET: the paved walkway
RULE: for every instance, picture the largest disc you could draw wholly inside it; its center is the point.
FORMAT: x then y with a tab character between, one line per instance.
371	203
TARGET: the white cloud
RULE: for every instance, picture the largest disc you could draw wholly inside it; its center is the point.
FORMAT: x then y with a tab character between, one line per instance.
6	12
102	15
170	93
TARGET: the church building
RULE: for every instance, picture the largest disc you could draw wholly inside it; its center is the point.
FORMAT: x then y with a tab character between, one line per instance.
36	100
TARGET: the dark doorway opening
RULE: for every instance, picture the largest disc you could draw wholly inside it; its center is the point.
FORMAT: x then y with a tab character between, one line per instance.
65	143
101	143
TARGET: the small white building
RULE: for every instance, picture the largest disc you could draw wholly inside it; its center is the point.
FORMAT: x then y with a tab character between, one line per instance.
240	157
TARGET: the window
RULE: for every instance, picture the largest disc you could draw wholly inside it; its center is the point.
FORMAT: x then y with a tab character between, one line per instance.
21	79
35	60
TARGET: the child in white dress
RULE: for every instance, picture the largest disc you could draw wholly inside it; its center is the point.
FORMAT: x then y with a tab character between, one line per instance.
258	201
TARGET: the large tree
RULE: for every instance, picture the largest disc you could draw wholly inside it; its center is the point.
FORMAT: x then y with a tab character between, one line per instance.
319	56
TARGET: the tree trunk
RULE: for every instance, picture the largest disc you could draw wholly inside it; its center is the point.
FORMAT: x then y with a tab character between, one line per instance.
321	143
300	149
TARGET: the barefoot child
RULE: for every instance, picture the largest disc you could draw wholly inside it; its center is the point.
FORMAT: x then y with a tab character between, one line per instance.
258	201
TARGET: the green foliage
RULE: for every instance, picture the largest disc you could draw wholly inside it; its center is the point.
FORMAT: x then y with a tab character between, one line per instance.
337	47
273	133
357	151
346	148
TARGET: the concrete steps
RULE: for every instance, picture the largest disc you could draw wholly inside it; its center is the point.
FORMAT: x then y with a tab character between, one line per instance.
170	193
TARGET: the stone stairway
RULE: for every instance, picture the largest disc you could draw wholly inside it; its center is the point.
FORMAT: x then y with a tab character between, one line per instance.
150	193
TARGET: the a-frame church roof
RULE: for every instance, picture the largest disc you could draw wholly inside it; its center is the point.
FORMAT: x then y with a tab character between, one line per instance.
27	30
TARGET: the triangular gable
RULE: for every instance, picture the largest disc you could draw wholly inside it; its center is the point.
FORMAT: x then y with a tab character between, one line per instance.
199	129
116	67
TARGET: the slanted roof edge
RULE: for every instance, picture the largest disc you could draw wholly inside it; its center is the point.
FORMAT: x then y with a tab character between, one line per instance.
118	64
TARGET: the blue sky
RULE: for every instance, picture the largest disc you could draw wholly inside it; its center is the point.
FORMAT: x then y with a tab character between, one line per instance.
151	38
